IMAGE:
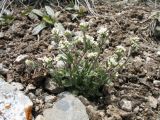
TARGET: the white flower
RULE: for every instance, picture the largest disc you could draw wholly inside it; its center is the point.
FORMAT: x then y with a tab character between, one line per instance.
29	62
64	44
120	49
134	39
91	40
84	25
103	31
59	57
92	54
57	32
68	33
78	40
47	59
112	61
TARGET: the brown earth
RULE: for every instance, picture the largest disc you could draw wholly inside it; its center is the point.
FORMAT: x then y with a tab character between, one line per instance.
136	81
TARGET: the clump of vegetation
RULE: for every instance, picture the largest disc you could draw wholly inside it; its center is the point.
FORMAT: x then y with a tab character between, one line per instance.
48	17
77	67
6	16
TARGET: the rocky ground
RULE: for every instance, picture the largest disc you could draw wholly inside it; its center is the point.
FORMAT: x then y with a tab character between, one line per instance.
135	95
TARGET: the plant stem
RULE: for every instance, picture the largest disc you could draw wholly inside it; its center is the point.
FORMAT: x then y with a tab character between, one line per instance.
85	42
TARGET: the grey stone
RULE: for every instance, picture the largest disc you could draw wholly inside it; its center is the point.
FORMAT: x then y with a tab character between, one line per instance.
1	34
18	85
21	58
50	99
13	103
3	70
39	117
30	87
48	105
153	102
52	87
32	96
68	107
156	83
126	105
136	109
38	91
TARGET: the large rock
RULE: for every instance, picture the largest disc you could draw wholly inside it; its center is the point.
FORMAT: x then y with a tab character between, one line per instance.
14	105
68	107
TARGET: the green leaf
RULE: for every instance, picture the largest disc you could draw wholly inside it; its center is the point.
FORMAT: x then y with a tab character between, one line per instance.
74	16
6	19
38	28
33	16
38	12
27	11
49	20
49	11
60	27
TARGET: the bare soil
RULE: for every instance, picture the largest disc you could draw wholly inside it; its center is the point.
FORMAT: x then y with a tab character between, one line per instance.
135	82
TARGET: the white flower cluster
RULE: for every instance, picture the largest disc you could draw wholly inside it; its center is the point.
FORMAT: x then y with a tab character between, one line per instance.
117	58
64	44
120	49
46	59
56	31
103	36
84	25
68	33
103	31
29	62
112	61
92	55
77	40
59	57
91	40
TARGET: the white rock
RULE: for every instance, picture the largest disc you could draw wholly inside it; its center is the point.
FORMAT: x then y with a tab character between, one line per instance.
68	107
126	105
152	102
18	85
21	58
39	117
13	103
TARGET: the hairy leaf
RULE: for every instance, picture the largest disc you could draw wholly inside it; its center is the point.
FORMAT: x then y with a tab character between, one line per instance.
38	28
